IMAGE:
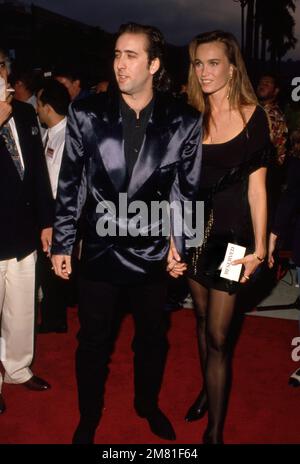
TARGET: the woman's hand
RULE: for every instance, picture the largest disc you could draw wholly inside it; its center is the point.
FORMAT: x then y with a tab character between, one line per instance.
250	263
271	248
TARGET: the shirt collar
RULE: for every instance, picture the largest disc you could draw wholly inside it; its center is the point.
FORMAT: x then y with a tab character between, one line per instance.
57	128
127	111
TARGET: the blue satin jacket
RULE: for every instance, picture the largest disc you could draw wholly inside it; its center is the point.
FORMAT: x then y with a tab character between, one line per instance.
167	169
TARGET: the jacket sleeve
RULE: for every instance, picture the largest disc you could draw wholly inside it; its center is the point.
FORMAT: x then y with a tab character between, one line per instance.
185	189
67	204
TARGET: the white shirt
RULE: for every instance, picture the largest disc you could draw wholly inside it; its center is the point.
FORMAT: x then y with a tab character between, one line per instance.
54	150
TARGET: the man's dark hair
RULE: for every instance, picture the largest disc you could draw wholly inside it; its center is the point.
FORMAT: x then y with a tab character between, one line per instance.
70	72
56	95
27	76
156	49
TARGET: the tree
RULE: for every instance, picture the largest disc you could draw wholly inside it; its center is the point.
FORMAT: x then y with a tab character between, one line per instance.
249	31
278	27
243	3
269	27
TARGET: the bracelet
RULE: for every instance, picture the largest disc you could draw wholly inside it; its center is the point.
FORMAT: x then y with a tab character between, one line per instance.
258	257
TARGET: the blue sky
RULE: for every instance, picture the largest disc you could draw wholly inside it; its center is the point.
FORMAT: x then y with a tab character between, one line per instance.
179	20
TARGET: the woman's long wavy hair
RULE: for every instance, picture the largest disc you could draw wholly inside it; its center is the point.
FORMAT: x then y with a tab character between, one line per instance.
241	92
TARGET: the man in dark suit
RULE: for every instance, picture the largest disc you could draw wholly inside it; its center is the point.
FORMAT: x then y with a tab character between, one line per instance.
25	209
142	145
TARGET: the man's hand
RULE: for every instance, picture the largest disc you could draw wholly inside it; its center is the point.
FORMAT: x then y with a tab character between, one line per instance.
46	239
5	110
175	267
62	266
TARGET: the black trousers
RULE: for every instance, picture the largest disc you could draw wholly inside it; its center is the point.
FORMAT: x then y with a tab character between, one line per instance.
55	294
98	310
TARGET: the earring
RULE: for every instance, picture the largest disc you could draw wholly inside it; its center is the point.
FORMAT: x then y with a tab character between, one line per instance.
229	86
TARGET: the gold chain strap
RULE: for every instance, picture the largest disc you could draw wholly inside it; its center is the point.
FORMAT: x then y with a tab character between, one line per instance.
198	250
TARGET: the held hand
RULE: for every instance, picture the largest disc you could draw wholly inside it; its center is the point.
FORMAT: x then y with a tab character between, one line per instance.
178	270
62	266
174	267
173	253
271	248
46	239
250	263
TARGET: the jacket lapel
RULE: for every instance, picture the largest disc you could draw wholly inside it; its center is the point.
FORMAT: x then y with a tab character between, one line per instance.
110	142
109	134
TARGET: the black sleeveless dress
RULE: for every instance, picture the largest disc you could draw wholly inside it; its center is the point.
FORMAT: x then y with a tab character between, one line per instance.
223	187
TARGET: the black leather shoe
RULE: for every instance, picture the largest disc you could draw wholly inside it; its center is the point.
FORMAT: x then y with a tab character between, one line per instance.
160	424
198	409
294	379
36	383
2	405
84	434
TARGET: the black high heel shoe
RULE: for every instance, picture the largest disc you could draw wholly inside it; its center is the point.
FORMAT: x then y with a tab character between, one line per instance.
198	409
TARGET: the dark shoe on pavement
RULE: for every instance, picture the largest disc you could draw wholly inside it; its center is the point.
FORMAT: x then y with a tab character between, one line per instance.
160	424
294	379
36	383
2	405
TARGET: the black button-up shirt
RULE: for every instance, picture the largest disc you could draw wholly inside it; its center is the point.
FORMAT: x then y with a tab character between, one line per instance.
133	132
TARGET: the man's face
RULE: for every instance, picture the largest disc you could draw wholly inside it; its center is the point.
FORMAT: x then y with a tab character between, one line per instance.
266	89
132	70
73	87
3	67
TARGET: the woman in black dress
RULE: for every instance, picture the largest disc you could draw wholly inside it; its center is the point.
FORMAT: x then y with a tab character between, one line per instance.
235	149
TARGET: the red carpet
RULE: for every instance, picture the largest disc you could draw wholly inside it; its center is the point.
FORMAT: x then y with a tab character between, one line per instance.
262	409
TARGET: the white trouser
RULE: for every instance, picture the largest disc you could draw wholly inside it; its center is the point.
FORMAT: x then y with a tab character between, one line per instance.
17	282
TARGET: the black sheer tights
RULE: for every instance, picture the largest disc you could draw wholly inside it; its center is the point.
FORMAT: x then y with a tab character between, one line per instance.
214	312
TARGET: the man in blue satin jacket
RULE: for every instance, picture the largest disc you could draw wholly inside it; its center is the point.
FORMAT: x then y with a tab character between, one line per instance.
139	147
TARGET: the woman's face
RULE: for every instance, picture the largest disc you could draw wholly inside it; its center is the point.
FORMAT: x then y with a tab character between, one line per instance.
212	67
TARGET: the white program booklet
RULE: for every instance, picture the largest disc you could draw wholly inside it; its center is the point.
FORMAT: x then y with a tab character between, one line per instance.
233	252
